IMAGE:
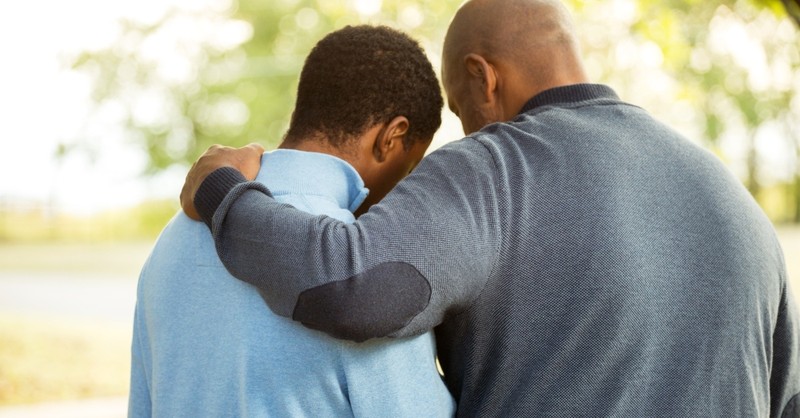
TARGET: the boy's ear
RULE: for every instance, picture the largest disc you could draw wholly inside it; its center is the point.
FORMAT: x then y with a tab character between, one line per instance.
390	139
482	73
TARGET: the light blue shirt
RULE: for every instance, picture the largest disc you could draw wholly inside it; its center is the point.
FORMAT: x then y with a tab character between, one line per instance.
205	344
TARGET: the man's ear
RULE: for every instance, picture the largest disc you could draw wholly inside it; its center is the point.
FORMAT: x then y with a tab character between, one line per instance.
390	139
483	74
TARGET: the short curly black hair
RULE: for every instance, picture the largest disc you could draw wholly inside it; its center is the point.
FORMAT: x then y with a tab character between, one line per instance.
363	75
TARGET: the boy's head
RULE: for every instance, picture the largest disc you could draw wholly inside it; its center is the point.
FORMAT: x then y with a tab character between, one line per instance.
369	95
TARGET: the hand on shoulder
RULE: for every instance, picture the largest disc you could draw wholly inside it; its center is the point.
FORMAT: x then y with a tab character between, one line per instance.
247	160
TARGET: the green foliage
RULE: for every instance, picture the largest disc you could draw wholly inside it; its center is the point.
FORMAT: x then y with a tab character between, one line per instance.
243	91
238	95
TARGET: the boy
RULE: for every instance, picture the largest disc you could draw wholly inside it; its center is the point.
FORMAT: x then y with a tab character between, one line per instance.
368	104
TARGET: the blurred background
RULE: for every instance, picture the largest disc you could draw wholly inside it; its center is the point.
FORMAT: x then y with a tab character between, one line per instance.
104	104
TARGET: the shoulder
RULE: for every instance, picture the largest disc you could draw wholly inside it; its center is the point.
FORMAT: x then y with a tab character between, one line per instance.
472	145
178	232
182	243
474	152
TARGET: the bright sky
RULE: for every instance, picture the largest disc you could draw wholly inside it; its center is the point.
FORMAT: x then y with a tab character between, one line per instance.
43	104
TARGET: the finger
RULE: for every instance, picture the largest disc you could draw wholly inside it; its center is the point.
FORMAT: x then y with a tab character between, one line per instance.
256	147
187	204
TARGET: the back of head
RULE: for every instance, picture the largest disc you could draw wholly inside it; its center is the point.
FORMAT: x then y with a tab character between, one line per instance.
534	38
485	23
360	76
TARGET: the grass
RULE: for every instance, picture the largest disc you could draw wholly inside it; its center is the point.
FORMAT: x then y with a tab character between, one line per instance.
47	359
38	224
51	358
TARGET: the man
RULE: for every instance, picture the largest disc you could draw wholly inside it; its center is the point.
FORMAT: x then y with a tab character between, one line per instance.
577	257
205	344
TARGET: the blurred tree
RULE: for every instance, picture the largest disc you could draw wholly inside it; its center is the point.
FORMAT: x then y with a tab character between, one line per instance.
736	67
176	93
727	73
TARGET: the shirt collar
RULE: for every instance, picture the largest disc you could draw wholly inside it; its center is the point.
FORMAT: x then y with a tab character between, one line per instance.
287	171
570	94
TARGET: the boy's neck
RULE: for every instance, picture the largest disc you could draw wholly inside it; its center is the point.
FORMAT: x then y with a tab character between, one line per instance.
319	146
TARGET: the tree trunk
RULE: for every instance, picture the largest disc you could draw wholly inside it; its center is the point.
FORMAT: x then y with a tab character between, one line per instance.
796	198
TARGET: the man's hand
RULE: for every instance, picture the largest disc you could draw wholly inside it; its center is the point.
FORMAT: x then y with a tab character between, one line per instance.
247	160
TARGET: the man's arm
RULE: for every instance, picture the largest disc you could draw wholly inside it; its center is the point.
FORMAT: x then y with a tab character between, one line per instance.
426	250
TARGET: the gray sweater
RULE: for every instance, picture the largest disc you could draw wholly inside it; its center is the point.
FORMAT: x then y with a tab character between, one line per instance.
580	260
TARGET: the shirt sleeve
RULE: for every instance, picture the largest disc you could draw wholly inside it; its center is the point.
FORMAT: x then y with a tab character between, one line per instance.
424	252
139	401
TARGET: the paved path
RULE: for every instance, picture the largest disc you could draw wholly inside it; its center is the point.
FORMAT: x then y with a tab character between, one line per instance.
68	295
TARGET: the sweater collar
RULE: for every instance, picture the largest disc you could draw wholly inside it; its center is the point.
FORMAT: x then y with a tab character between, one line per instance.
570	94
287	171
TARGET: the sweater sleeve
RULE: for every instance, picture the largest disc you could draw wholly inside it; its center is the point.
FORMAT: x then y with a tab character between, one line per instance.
425	251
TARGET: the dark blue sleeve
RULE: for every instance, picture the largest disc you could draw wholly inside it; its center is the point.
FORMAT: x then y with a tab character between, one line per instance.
425	251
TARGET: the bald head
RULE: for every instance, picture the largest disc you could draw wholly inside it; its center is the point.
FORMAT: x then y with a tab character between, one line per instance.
531	44
526	31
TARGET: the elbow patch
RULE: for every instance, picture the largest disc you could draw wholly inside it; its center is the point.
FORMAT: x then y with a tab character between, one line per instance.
371	304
